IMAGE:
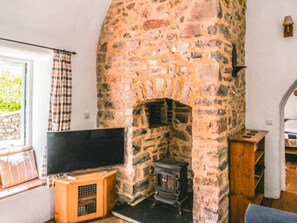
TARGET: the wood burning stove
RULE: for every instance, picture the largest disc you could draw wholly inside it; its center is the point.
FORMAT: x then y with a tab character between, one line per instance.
171	182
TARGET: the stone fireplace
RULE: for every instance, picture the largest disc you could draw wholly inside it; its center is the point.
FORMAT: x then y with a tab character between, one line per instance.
164	73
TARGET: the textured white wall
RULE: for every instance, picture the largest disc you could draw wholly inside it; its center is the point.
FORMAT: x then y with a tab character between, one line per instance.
271	71
66	24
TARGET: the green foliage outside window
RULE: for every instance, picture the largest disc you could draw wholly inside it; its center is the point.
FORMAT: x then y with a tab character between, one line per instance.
10	93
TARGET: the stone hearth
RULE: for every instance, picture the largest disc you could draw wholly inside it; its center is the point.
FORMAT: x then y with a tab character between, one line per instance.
173	56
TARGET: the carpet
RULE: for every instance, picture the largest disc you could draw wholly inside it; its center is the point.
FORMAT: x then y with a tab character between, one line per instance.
143	212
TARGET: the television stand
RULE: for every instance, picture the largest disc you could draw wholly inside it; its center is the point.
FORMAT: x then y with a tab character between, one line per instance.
84	196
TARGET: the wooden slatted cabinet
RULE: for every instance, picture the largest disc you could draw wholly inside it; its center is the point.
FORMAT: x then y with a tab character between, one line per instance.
86	196
247	167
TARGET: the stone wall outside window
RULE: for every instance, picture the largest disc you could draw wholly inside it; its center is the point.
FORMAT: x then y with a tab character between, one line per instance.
10	125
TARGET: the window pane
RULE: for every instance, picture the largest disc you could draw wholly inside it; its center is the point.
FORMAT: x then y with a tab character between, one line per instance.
12	106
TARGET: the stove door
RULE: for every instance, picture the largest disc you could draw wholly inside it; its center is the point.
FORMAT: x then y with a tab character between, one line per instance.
166	181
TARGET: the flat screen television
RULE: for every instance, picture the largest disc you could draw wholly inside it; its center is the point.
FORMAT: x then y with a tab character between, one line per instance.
69	151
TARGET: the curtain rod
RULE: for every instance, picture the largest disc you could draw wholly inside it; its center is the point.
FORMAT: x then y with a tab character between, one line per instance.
30	44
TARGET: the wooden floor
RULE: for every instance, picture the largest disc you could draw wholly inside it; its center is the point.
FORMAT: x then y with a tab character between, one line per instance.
108	219
287	201
291	173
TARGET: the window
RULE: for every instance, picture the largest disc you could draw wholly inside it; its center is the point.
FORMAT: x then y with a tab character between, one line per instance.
14	102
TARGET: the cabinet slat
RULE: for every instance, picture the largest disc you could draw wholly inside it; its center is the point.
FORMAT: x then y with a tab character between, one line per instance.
258	177
258	155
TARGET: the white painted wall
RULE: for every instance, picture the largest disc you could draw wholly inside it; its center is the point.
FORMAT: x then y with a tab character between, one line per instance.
291	107
72	25
271	63
32	206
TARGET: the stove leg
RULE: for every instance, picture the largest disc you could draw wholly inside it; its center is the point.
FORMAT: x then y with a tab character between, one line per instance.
179	209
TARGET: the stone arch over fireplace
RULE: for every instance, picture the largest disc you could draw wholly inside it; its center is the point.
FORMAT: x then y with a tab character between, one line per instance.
177	50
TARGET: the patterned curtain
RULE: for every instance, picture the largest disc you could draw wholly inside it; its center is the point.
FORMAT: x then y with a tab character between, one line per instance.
61	91
60	101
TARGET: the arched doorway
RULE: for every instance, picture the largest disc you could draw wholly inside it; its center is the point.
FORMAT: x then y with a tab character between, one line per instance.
282	135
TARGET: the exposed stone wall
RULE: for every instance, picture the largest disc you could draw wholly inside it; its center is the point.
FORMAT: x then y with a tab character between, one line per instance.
181	49
10	126
149	144
181	138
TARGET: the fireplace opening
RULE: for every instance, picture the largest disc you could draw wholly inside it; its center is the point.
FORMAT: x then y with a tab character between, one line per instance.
162	128
159	113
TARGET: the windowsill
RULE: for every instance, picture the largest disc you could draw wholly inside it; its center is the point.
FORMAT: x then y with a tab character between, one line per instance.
14	150
7	192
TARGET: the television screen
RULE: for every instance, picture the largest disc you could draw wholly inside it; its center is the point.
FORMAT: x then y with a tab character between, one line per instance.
84	149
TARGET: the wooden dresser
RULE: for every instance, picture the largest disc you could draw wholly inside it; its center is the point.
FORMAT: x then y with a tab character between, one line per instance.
247	167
